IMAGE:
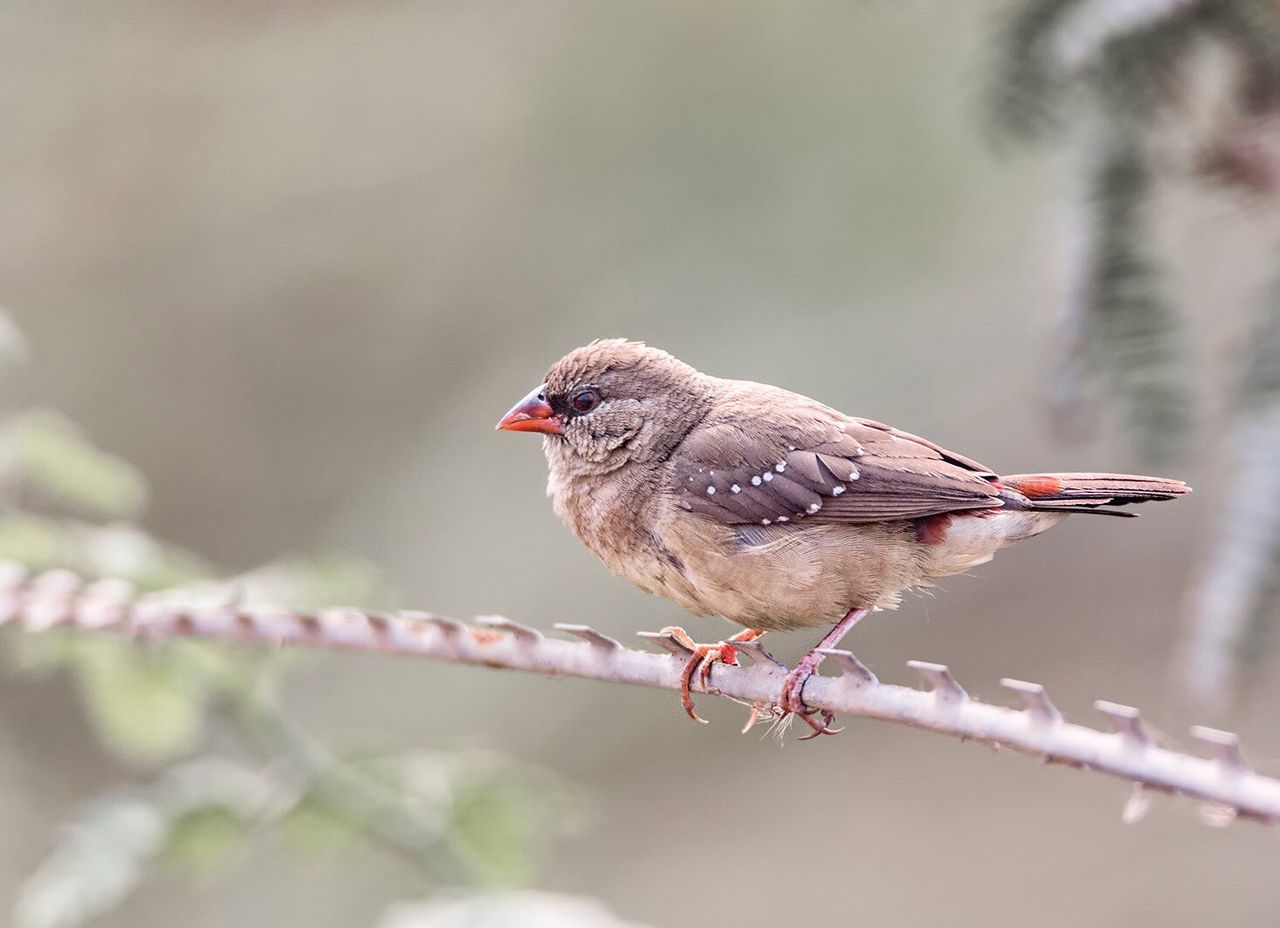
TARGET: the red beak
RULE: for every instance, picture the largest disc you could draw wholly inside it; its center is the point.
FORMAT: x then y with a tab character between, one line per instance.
533	414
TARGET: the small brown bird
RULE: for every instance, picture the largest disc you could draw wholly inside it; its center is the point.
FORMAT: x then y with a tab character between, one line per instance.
768	508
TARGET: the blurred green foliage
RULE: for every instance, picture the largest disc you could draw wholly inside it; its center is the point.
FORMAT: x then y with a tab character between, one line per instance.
64	503
46	455
1135	337
497	823
204	841
1107	78
1127	83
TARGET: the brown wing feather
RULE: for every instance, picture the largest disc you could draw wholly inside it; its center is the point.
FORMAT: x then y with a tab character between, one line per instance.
869	427
809	462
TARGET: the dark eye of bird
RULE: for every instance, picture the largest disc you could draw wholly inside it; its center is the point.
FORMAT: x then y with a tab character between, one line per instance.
584	401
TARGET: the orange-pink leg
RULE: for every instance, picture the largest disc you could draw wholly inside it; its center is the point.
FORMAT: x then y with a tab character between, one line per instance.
791	697
706	656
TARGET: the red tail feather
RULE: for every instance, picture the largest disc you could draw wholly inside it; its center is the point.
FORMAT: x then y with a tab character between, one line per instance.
1065	492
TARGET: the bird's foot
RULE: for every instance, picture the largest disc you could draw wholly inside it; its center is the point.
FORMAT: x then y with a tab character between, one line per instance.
791	698
703	658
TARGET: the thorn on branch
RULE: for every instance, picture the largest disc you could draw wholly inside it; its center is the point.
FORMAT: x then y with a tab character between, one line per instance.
591	636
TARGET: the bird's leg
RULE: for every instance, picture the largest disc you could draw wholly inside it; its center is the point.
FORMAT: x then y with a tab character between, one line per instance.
706	656
791	697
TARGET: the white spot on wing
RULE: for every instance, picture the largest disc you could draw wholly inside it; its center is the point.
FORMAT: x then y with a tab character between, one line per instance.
765	521
767	476
836	491
711	491
814	507
782	518
755	481
780	467
735	488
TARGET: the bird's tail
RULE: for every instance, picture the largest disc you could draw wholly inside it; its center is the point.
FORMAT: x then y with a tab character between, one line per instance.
1086	492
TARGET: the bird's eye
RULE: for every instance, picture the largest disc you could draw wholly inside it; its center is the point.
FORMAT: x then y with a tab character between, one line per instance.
584	401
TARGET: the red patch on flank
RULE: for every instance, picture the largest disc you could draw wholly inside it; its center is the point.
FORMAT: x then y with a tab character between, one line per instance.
1039	487
932	530
483	635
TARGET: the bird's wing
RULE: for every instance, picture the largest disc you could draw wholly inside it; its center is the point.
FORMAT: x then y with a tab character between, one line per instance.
814	464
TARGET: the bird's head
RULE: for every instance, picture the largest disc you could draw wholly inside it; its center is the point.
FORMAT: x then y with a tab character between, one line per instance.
612	402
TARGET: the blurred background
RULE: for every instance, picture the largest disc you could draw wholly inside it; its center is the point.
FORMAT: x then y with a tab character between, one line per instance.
291	261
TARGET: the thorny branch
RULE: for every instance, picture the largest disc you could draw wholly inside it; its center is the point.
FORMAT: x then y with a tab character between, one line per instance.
1224	780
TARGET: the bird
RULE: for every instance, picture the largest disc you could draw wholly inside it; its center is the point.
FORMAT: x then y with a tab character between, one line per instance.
770	509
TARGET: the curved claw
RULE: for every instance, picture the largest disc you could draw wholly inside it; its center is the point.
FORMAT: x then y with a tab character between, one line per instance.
701	660
791	700
686	675
704	657
824	729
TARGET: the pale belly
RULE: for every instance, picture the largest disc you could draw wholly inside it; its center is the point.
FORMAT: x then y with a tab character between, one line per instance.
784	577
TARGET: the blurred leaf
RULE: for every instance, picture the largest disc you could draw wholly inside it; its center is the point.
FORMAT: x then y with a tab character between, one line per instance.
505	910
142	705
493	830
213	780
35	542
204	841
127	552
1131	335
500	815
1110	68
1128	55
311	828
211	803
1027	90
1259	388
98	862
1138	73
48	453
1252	27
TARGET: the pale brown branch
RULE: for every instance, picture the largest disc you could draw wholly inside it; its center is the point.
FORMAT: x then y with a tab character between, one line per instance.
1223	780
